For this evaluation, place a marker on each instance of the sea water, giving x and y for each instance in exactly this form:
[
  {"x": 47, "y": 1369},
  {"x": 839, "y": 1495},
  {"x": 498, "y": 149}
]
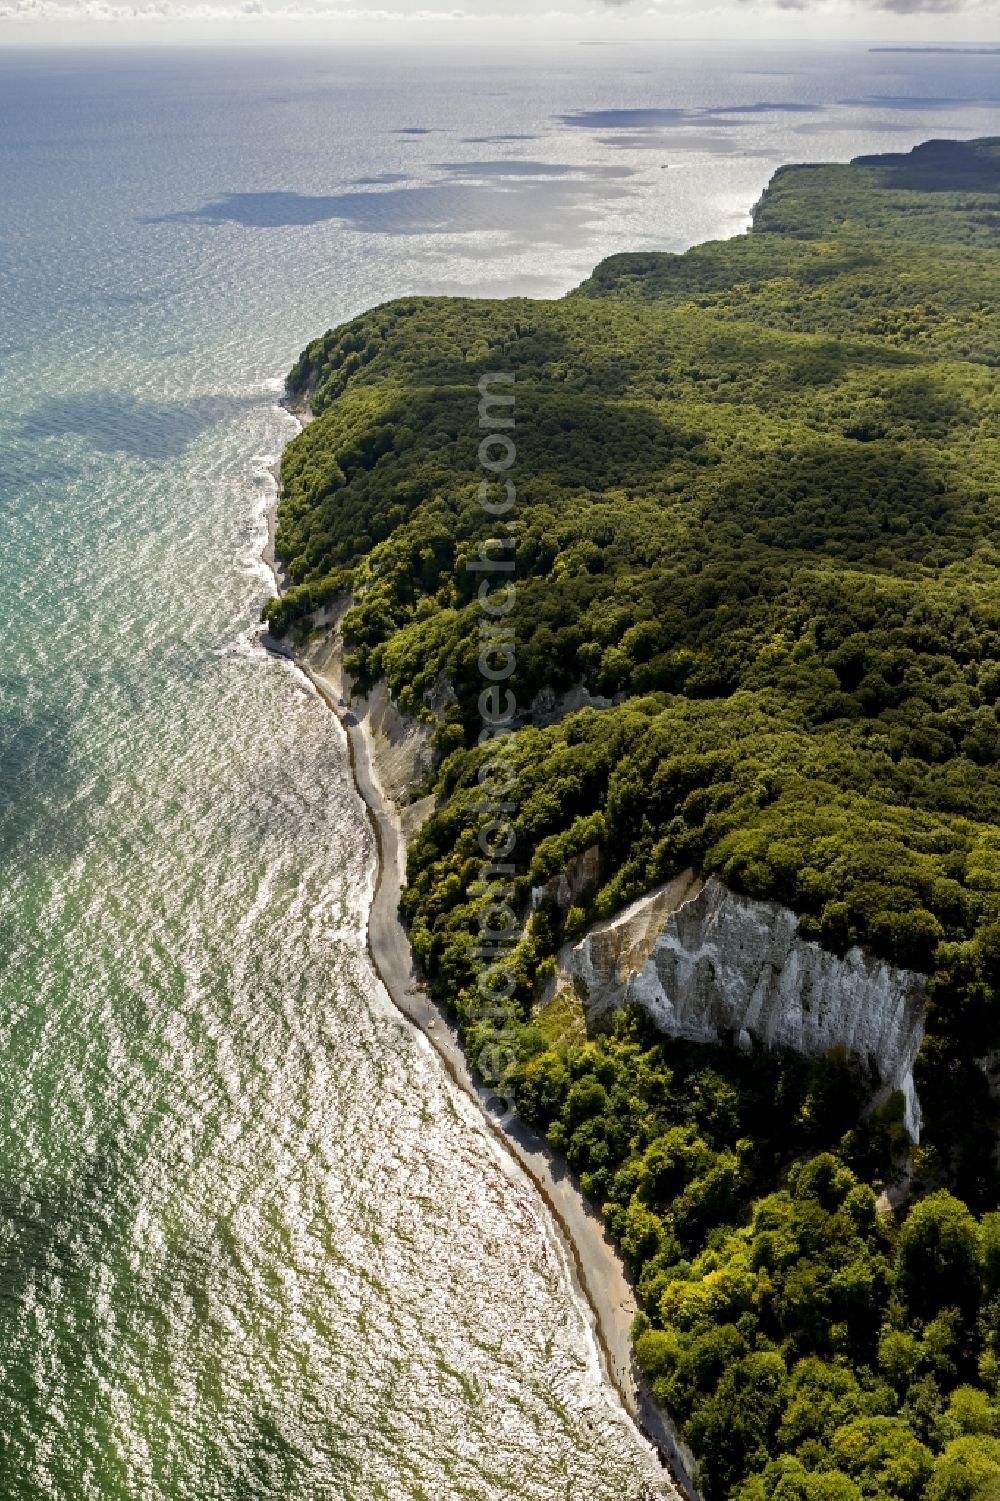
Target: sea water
[{"x": 253, "y": 1244}]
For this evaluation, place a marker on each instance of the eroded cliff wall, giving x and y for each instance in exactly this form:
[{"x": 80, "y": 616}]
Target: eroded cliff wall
[{"x": 710, "y": 965}]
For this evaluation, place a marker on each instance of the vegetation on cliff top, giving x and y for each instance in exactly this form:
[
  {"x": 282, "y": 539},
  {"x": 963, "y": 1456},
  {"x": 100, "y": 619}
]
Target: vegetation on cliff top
[
  {"x": 758, "y": 516},
  {"x": 806, "y": 1346}
]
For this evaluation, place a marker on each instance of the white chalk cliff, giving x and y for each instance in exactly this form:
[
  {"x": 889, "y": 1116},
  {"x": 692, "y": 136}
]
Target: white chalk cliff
[{"x": 710, "y": 965}]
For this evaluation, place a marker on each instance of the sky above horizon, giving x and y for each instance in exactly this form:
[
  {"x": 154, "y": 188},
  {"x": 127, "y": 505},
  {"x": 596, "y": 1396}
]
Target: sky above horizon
[{"x": 102, "y": 22}]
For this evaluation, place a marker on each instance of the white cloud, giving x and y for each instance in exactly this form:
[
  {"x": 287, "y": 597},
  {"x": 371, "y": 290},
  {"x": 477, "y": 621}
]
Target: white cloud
[
  {"x": 933, "y": 20},
  {"x": 32, "y": 11}
]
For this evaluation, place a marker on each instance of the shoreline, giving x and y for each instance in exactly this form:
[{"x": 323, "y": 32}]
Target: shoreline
[{"x": 597, "y": 1271}]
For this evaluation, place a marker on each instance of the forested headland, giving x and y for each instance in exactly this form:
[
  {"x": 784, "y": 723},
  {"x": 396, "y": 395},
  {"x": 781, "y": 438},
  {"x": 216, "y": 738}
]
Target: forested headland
[{"x": 759, "y": 523}]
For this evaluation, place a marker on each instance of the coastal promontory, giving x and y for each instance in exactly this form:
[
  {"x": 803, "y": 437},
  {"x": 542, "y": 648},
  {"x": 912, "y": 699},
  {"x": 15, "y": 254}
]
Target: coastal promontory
[{"x": 751, "y": 619}]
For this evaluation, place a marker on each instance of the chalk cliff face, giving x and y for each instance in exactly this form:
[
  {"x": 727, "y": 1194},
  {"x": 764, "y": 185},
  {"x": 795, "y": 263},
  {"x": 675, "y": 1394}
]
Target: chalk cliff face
[
  {"x": 580, "y": 875},
  {"x": 710, "y": 965},
  {"x": 401, "y": 747}
]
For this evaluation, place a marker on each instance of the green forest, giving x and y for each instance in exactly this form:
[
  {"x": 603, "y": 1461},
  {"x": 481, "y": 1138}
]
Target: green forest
[{"x": 757, "y": 519}]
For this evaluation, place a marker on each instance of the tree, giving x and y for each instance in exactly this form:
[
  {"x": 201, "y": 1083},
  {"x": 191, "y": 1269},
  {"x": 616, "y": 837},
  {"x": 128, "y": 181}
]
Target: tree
[
  {"x": 883, "y": 1457},
  {"x": 939, "y": 1256},
  {"x": 968, "y": 1470}
]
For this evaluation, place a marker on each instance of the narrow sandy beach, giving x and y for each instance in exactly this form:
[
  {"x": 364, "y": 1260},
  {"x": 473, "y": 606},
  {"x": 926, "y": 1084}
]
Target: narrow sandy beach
[{"x": 598, "y": 1271}]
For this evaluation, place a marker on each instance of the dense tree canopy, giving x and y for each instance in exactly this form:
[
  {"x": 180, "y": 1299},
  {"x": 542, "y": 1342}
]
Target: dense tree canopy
[{"x": 757, "y": 524}]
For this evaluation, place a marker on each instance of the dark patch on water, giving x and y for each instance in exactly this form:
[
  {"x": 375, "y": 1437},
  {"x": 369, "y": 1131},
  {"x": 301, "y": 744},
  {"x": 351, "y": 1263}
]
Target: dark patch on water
[
  {"x": 382, "y": 180},
  {"x": 269, "y": 1463},
  {"x": 37, "y": 786},
  {"x": 494, "y": 140},
  {"x": 397, "y": 211},
  {"x": 516, "y": 168},
  {"x": 852, "y": 127},
  {"x": 49, "y": 1235},
  {"x": 716, "y": 114},
  {"x": 661, "y": 140},
  {"x": 548, "y": 204},
  {"x": 113, "y": 422},
  {"x": 907, "y": 101}
]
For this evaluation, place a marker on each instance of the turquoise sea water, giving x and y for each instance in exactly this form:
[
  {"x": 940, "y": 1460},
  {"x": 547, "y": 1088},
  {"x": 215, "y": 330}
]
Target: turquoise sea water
[{"x": 252, "y": 1244}]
